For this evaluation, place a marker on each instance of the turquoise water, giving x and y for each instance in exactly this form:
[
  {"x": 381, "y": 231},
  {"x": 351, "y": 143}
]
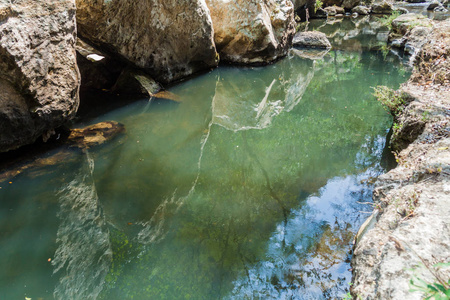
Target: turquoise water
[{"x": 250, "y": 188}]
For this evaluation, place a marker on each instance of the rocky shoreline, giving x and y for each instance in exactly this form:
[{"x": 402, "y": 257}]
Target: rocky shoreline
[
  {"x": 42, "y": 66},
  {"x": 408, "y": 235}
]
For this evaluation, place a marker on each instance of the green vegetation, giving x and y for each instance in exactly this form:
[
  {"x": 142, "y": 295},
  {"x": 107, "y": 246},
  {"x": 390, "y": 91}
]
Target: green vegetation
[
  {"x": 438, "y": 290},
  {"x": 392, "y": 100},
  {"x": 318, "y": 4},
  {"x": 387, "y": 20},
  {"x": 385, "y": 48},
  {"x": 426, "y": 116}
]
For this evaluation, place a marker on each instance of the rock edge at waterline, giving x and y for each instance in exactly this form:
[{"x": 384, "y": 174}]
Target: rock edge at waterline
[
  {"x": 169, "y": 39},
  {"x": 39, "y": 78},
  {"x": 411, "y": 232}
]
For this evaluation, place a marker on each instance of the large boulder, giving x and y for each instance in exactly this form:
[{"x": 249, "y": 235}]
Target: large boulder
[
  {"x": 334, "y": 10},
  {"x": 298, "y": 4},
  {"x": 410, "y": 32},
  {"x": 433, "y": 4},
  {"x": 311, "y": 39},
  {"x": 252, "y": 32},
  {"x": 404, "y": 23},
  {"x": 169, "y": 39},
  {"x": 39, "y": 78},
  {"x": 382, "y": 8},
  {"x": 349, "y": 4},
  {"x": 327, "y": 3},
  {"x": 361, "y": 10}
]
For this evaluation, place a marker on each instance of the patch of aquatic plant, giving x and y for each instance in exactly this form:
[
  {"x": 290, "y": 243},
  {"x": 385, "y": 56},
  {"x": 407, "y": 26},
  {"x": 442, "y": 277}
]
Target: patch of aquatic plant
[
  {"x": 391, "y": 99},
  {"x": 385, "y": 50}
]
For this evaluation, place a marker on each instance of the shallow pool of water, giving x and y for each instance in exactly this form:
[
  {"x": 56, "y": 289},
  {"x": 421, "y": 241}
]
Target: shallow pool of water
[{"x": 251, "y": 187}]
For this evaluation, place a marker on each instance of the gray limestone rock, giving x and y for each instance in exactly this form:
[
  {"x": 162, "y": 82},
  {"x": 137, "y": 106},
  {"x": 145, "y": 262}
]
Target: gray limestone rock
[
  {"x": 433, "y": 4},
  {"x": 383, "y": 7},
  {"x": 311, "y": 39},
  {"x": 334, "y": 10},
  {"x": 249, "y": 32},
  {"x": 39, "y": 78},
  {"x": 410, "y": 32},
  {"x": 440, "y": 8},
  {"x": 169, "y": 39},
  {"x": 349, "y": 4},
  {"x": 403, "y": 23},
  {"x": 361, "y": 10},
  {"x": 411, "y": 233}
]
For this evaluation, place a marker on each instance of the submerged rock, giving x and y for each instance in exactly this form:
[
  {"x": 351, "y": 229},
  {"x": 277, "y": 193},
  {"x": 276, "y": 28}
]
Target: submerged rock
[
  {"x": 249, "y": 32},
  {"x": 311, "y": 39},
  {"x": 82, "y": 138},
  {"x": 95, "y": 135},
  {"x": 39, "y": 78},
  {"x": 169, "y": 39}
]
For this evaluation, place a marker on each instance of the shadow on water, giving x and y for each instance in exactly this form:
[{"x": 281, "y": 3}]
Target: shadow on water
[{"x": 250, "y": 187}]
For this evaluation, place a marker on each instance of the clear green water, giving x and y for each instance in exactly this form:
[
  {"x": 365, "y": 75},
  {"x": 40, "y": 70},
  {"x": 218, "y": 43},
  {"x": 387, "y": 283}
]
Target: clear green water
[{"x": 247, "y": 189}]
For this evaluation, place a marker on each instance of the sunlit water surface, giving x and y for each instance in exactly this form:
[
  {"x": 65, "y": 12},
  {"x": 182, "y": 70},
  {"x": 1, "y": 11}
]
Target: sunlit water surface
[{"x": 250, "y": 188}]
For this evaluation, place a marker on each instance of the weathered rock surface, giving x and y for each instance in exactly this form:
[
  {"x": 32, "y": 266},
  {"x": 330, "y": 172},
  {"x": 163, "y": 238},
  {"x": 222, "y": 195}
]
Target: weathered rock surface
[
  {"x": 349, "y": 4},
  {"x": 411, "y": 234},
  {"x": 433, "y": 4},
  {"x": 311, "y": 39},
  {"x": 298, "y": 4},
  {"x": 81, "y": 138},
  {"x": 39, "y": 78},
  {"x": 410, "y": 32},
  {"x": 252, "y": 32},
  {"x": 99, "y": 71},
  {"x": 306, "y": 9},
  {"x": 328, "y": 3},
  {"x": 440, "y": 8},
  {"x": 361, "y": 10},
  {"x": 383, "y": 7},
  {"x": 169, "y": 39},
  {"x": 334, "y": 10},
  {"x": 402, "y": 24}
]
